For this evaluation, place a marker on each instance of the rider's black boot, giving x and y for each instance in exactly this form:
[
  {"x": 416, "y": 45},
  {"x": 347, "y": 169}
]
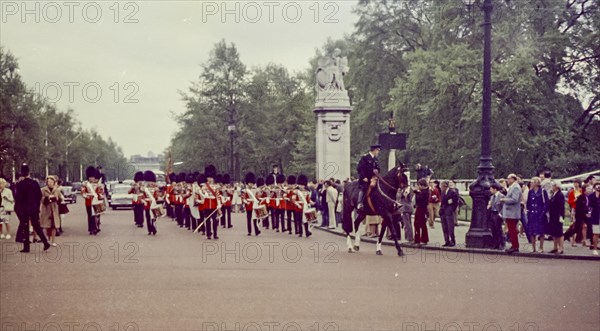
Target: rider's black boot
[{"x": 361, "y": 198}]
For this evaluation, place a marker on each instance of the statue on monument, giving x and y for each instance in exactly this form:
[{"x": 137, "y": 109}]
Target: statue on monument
[{"x": 331, "y": 70}]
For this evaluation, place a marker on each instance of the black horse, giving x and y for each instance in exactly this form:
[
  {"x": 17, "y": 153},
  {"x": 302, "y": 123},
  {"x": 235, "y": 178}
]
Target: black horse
[{"x": 381, "y": 201}]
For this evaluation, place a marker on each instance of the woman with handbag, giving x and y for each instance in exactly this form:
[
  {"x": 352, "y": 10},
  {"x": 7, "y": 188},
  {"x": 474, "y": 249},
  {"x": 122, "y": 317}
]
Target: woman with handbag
[
  {"x": 49, "y": 215},
  {"x": 63, "y": 209}
]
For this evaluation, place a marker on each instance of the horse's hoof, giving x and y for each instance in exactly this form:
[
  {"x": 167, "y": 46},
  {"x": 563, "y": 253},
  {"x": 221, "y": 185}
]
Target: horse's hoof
[
  {"x": 350, "y": 250},
  {"x": 357, "y": 248},
  {"x": 400, "y": 253},
  {"x": 379, "y": 253}
]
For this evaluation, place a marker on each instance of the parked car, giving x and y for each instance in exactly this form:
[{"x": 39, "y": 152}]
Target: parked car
[
  {"x": 128, "y": 182},
  {"x": 120, "y": 197},
  {"x": 76, "y": 186},
  {"x": 69, "y": 193}
]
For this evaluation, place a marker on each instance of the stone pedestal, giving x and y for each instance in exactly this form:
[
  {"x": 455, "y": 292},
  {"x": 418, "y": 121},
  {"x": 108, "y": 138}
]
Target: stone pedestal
[{"x": 332, "y": 109}]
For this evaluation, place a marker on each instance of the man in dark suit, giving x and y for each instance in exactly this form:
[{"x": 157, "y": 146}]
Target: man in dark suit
[
  {"x": 367, "y": 168},
  {"x": 495, "y": 219},
  {"x": 275, "y": 174},
  {"x": 448, "y": 213},
  {"x": 27, "y": 207}
]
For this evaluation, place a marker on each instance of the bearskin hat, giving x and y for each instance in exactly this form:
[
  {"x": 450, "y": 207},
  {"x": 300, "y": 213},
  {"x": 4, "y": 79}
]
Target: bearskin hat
[
  {"x": 218, "y": 178},
  {"x": 138, "y": 176},
  {"x": 91, "y": 172},
  {"x": 149, "y": 176},
  {"x": 181, "y": 177},
  {"x": 201, "y": 178},
  {"x": 291, "y": 180},
  {"x": 302, "y": 180},
  {"x": 210, "y": 171},
  {"x": 280, "y": 178},
  {"x": 260, "y": 182},
  {"x": 226, "y": 179},
  {"x": 172, "y": 177},
  {"x": 24, "y": 169},
  {"x": 250, "y": 178},
  {"x": 190, "y": 178},
  {"x": 270, "y": 180}
]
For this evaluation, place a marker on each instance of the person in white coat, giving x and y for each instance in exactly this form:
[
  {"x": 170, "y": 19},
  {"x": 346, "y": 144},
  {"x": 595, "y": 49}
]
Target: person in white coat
[
  {"x": 7, "y": 206},
  {"x": 332, "y": 196}
]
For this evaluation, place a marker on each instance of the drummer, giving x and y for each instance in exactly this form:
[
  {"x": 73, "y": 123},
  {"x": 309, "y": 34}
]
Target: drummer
[
  {"x": 212, "y": 204},
  {"x": 262, "y": 197},
  {"x": 249, "y": 201},
  {"x": 302, "y": 203}
]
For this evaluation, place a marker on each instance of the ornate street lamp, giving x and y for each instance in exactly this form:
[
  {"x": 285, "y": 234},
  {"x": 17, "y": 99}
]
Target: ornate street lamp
[
  {"x": 479, "y": 235},
  {"x": 231, "y": 130}
]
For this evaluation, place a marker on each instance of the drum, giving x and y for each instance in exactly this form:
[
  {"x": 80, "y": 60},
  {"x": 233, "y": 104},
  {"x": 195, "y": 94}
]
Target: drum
[
  {"x": 260, "y": 212},
  {"x": 158, "y": 211},
  {"x": 99, "y": 208},
  {"x": 311, "y": 215}
]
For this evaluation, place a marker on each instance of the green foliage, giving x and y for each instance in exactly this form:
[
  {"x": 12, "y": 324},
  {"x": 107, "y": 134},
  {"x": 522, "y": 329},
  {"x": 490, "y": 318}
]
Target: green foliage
[
  {"x": 545, "y": 68},
  {"x": 270, "y": 110},
  {"x": 420, "y": 61},
  {"x": 26, "y": 121}
]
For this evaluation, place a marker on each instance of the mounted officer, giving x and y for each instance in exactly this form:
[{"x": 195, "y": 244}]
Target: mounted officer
[{"x": 368, "y": 167}]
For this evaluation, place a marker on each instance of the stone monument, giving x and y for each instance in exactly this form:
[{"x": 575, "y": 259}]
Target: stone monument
[{"x": 332, "y": 109}]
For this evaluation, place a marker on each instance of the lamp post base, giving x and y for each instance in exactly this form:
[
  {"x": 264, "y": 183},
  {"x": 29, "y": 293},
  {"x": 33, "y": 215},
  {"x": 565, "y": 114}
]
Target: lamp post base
[
  {"x": 479, "y": 239},
  {"x": 480, "y": 234}
]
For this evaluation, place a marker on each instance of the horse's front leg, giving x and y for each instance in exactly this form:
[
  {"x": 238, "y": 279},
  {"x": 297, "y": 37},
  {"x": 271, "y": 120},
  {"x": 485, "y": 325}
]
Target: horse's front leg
[
  {"x": 387, "y": 221},
  {"x": 357, "y": 230},
  {"x": 384, "y": 226}
]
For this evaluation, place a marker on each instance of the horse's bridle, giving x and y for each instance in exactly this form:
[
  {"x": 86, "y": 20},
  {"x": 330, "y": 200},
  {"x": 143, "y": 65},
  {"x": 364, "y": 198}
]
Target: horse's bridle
[{"x": 380, "y": 179}]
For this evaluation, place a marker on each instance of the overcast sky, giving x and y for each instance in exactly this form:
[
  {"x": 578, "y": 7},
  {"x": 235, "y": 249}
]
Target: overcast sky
[{"x": 139, "y": 54}]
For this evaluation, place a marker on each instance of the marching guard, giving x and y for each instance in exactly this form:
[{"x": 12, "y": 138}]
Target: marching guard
[
  {"x": 249, "y": 201},
  {"x": 289, "y": 203},
  {"x": 137, "y": 199},
  {"x": 302, "y": 203},
  {"x": 179, "y": 192},
  {"x": 169, "y": 196},
  {"x": 280, "y": 201},
  {"x": 93, "y": 193},
  {"x": 188, "y": 202},
  {"x": 201, "y": 203},
  {"x": 262, "y": 197},
  {"x": 150, "y": 205},
  {"x": 227, "y": 193},
  {"x": 212, "y": 203},
  {"x": 271, "y": 202}
]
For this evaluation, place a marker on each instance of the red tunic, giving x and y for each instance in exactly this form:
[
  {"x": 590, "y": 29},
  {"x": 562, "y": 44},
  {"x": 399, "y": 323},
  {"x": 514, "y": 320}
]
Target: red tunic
[
  {"x": 185, "y": 196},
  {"x": 248, "y": 203},
  {"x": 290, "y": 198},
  {"x": 227, "y": 198},
  {"x": 135, "y": 201},
  {"x": 262, "y": 198},
  {"x": 170, "y": 195},
  {"x": 272, "y": 200},
  {"x": 99, "y": 191},
  {"x": 211, "y": 198},
  {"x": 299, "y": 205},
  {"x": 147, "y": 200}
]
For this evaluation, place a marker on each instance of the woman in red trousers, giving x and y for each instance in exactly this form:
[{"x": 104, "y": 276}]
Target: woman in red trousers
[{"x": 421, "y": 202}]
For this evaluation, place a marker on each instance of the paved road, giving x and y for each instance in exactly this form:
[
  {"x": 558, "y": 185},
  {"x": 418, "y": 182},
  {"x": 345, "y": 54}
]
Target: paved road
[{"x": 123, "y": 279}]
